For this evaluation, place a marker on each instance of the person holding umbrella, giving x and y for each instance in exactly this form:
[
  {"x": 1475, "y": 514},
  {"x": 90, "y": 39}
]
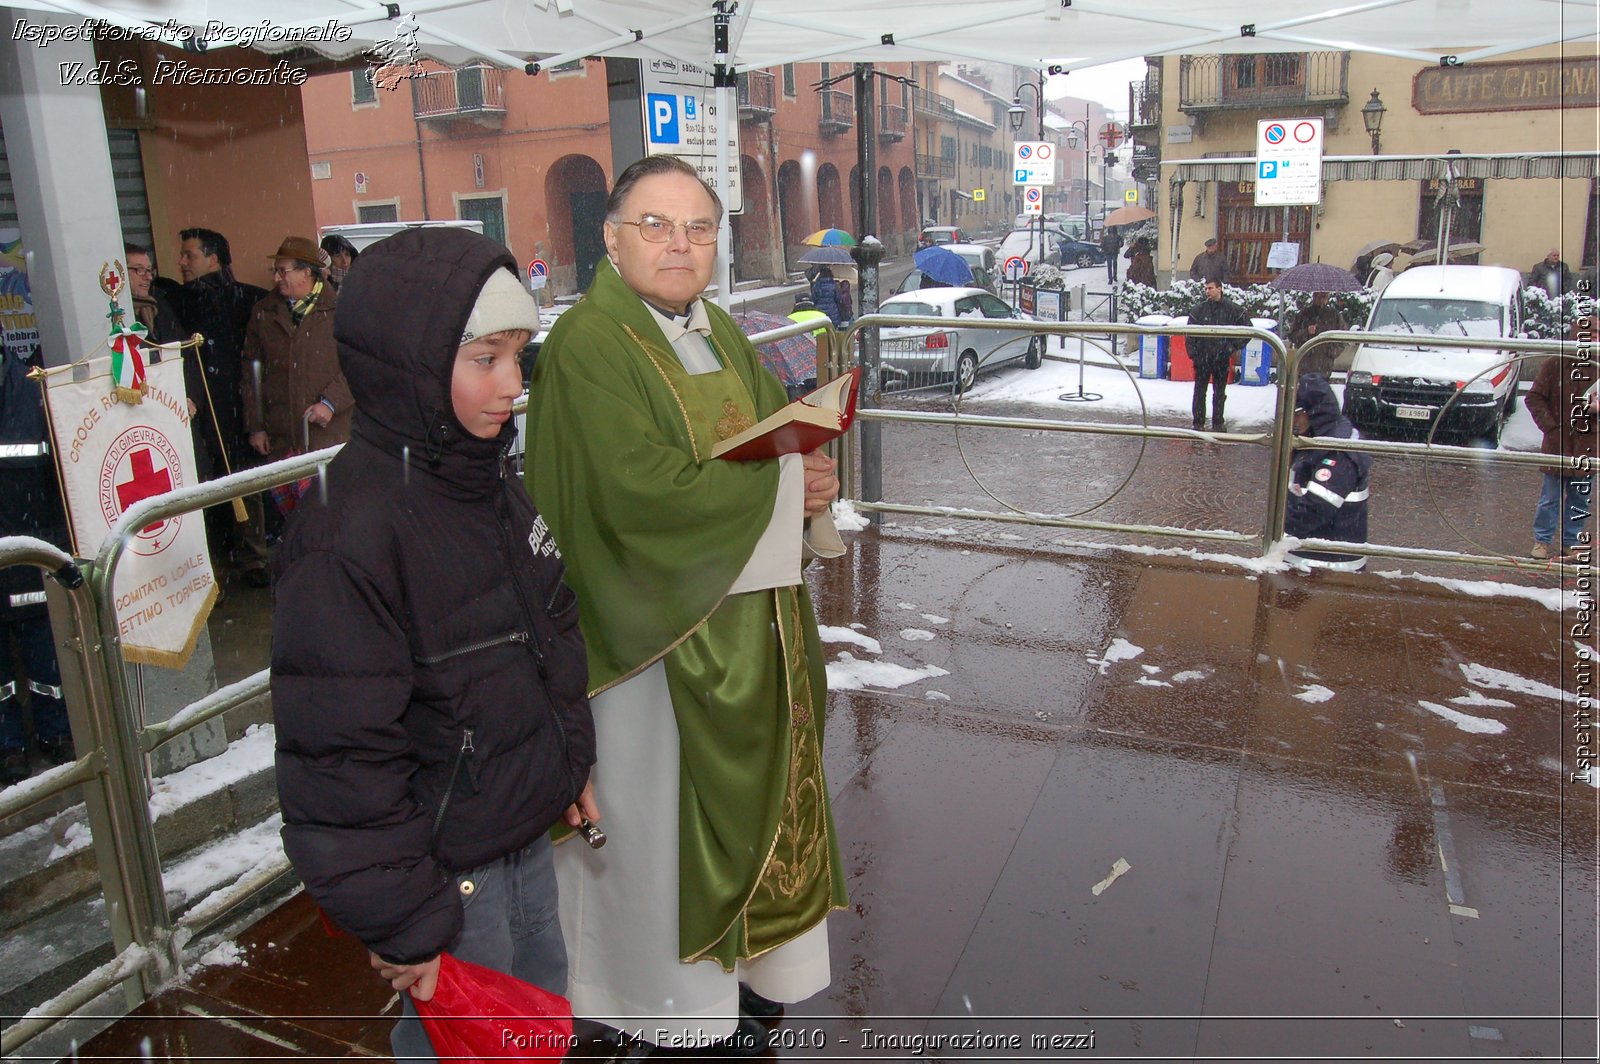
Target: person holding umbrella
[{"x": 1320, "y": 317}]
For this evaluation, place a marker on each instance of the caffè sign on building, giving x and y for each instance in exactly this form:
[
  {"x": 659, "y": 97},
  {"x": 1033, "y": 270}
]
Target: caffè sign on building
[{"x": 1538, "y": 84}]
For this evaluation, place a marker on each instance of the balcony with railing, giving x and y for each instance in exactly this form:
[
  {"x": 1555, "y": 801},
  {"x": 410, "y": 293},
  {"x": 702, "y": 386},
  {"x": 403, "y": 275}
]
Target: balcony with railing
[
  {"x": 1144, "y": 104},
  {"x": 935, "y": 166},
  {"x": 471, "y": 93},
  {"x": 1276, "y": 79},
  {"x": 758, "y": 97},
  {"x": 932, "y": 103},
  {"x": 838, "y": 111},
  {"x": 892, "y": 123}
]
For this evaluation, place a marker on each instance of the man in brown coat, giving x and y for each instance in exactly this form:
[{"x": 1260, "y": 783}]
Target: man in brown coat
[
  {"x": 1565, "y": 406},
  {"x": 1320, "y": 317},
  {"x": 293, "y": 386},
  {"x": 1211, "y": 264}
]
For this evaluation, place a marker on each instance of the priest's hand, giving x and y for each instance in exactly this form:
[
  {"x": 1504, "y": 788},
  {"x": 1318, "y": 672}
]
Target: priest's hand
[
  {"x": 584, "y": 807},
  {"x": 420, "y": 978},
  {"x": 822, "y": 487}
]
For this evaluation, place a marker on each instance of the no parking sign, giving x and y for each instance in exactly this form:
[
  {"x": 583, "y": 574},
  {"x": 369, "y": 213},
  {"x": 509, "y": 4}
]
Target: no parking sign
[
  {"x": 1015, "y": 268},
  {"x": 538, "y": 274}
]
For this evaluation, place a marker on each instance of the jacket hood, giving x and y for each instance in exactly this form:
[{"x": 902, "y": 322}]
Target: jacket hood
[
  {"x": 401, "y": 311},
  {"x": 1314, "y": 395}
]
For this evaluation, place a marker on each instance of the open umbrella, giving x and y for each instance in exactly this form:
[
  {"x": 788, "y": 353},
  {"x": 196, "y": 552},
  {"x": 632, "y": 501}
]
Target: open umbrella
[
  {"x": 827, "y": 238},
  {"x": 1378, "y": 245},
  {"x": 1129, "y": 215},
  {"x": 1429, "y": 253},
  {"x": 943, "y": 265},
  {"x": 792, "y": 359},
  {"x": 1316, "y": 277},
  {"x": 831, "y": 255}
]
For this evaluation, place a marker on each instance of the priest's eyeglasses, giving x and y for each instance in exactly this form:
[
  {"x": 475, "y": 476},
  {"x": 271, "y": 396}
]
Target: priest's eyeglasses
[{"x": 656, "y": 230}]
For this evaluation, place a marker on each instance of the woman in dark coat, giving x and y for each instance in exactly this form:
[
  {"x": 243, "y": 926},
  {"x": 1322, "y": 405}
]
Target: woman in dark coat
[{"x": 1141, "y": 267}]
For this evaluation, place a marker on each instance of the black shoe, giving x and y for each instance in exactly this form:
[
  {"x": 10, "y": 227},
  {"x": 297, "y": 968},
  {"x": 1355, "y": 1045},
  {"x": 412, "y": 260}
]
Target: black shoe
[
  {"x": 13, "y": 767},
  {"x": 1199, "y": 425},
  {"x": 58, "y": 751},
  {"x": 757, "y": 1007},
  {"x": 1216, "y": 424}
]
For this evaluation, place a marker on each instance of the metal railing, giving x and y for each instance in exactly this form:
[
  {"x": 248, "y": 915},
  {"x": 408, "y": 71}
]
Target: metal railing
[
  {"x": 1221, "y": 82},
  {"x": 469, "y": 90},
  {"x": 892, "y": 122},
  {"x": 935, "y": 166},
  {"x": 1280, "y": 441},
  {"x": 111, "y": 743},
  {"x": 933, "y": 103},
  {"x": 838, "y": 110},
  {"x": 758, "y": 97}
]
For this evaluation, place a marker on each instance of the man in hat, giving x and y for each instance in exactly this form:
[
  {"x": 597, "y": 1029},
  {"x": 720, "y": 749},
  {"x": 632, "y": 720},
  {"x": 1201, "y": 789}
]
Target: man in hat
[
  {"x": 1327, "y": 489},
  {"x": 295, "y": 395},
  {"x": 1211, "y": 264}
]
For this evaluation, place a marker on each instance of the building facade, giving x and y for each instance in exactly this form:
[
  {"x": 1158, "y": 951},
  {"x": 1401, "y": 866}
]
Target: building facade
[{"x": 1539, "y": 111}]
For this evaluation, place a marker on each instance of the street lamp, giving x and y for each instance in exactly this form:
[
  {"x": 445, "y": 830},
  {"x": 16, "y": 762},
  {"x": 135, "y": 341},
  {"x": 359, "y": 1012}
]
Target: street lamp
[
  {"x": 1372, "y": 118},
  {"x": 1016, "y": 114},
  {"x": 1072, "y": 133}
]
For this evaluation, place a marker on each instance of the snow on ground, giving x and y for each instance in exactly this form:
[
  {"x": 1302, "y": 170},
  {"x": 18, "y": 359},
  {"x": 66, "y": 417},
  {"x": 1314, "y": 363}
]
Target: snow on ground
[
  {"x": 1119, "y": 650},
  {"x": 1496, "y": 680},
  {"x": 1464, "y": 721},
  {"x": 830, "y": 634},
  {"x": 1314, "y": 693}
]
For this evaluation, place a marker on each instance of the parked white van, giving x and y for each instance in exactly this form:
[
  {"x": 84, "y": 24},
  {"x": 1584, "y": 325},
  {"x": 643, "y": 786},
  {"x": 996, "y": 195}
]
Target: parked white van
[{"x": 1399, "y": 389}]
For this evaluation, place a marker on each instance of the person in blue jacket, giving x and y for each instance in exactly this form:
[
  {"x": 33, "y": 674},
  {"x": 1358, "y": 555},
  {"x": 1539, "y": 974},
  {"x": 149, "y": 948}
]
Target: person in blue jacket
[{"x": 1327, "y": 488}]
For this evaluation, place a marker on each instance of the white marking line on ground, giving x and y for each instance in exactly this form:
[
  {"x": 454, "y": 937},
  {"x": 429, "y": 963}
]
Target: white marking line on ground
[{"x": 1447, "y": 856}]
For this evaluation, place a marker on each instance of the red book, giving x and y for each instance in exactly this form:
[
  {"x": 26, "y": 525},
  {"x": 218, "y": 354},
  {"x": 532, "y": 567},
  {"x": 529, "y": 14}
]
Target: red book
[{"x": 802, "y": 426}]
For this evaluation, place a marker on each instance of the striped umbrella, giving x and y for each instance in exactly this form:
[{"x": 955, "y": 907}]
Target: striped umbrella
[{"x": 827, "y": 238}]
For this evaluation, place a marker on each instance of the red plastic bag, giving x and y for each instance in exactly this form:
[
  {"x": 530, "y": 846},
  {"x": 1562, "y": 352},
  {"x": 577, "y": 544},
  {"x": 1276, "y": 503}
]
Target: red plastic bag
[{"x": 477, "y": 1013}]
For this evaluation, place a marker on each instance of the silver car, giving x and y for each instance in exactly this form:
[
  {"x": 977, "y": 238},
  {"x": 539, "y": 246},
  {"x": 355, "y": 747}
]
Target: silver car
[{"x": 958, "y": 343}]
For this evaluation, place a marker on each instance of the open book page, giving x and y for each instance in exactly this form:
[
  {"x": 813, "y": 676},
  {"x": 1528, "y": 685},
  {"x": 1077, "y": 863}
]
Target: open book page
[{"x": 802, "y": 426}]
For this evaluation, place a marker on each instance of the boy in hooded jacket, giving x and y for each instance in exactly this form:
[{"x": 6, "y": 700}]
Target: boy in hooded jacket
[
  {"x": 428, "y": 675},
  {"x": 1327, "y": 489}
]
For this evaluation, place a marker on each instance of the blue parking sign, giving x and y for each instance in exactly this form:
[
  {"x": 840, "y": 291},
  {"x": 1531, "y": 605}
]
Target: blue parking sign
[
  {"x": 663, "y": 110},
  {"x": 690, "y": 108},
  {"x": 1269, "y": 168}
]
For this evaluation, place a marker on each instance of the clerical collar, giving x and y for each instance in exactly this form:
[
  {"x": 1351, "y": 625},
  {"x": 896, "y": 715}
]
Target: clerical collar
[{"x": 675, "y": 325}]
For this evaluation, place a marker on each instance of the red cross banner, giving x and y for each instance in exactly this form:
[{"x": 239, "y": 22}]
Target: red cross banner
[{"x": 111, "y": 455}]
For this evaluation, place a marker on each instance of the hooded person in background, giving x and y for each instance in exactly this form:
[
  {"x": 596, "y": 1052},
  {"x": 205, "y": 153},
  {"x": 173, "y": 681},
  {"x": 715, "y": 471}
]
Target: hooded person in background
[
  {"x": 341, "y": 256},
  {"x": 1320, "y": 317},
  {"x": 1141, "y": 266},
  {"x": 825, "y": 294},
  {"x": 1327, "y": 489}
]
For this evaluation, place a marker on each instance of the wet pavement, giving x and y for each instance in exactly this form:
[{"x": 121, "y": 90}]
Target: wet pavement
[{"x": 1332, "y": 850}]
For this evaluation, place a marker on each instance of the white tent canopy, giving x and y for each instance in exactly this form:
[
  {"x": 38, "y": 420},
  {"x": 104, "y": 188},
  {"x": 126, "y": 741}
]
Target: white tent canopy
[{"x": 1065, "y": 34}]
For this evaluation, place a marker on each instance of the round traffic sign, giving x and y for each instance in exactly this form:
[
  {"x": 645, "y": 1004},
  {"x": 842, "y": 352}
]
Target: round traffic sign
[
  {"x": 1305, "y": 132},
  {"x": 1031, "y": 194},
  {"x": 1044, "y": 152},
  {"x": 1015, "y": 267},
  {"x": 538, "y": 268},
  {"x": 1024, "y": 151},
  {"x": 1275, "y": 133},
  {"x": 1112, "y": 134}
]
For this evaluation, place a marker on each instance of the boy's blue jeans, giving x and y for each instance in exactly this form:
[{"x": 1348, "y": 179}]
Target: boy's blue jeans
[
  {"x": 1563, "y": 499},
  {"x": 511, "y": 925}
]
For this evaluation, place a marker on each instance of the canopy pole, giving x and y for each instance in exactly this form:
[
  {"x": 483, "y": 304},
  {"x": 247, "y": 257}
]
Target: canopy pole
[{"x": 725, "y": 119}]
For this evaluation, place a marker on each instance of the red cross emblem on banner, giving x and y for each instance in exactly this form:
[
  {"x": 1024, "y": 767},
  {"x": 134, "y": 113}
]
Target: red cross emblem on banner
[{"x": 147, "y": 481}]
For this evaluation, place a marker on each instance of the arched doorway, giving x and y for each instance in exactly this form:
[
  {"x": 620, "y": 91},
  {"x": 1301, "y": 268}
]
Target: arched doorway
[
  {"x": 883, "y": 190},
  {"x": 752, "y": 228},
  {"x": 791, "y": 211},
  {"x": 575, "y": 204},
  {"x": 910, "y": 222},
  {"x": 831, "y": 210}
]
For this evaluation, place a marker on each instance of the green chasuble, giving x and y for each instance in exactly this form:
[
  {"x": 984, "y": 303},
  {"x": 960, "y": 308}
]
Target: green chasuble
[{"x": 654, "y": 532}]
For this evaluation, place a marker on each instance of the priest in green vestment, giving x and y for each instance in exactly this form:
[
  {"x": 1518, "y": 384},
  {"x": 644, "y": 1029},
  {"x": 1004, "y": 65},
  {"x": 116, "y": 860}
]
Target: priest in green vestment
[{"x": 706, "y": 671}]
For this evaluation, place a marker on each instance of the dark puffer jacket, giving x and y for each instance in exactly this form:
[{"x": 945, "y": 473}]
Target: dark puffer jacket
[
  {"x": 1328, "y": 489},
  {"x": 428, "y": 675}
]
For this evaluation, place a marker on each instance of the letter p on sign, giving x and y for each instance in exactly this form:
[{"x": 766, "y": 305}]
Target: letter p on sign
[{"x": 663, "y": 118}]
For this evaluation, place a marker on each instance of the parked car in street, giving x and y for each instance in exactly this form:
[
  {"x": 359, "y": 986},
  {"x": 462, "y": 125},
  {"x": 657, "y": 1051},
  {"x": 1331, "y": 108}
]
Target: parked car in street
[
  {"x": 1068, "y": 225},
  {"x": 958, "y": 343},
  {"x": 1025, "y": 244},
  {"x": 1400, "y": 388},
  {"x": 941, "y": 234}
]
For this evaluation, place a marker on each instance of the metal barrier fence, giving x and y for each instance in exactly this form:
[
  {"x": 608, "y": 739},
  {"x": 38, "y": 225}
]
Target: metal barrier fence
[{"x": 113, "y": 742}]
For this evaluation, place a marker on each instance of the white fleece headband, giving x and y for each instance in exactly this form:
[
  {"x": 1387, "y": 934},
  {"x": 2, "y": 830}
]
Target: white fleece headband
[{"x": 502, "y": 304}]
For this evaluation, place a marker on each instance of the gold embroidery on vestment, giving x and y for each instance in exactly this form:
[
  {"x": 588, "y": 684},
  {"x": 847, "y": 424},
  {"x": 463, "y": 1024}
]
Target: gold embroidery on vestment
[{"x": 733, "y": 420}]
